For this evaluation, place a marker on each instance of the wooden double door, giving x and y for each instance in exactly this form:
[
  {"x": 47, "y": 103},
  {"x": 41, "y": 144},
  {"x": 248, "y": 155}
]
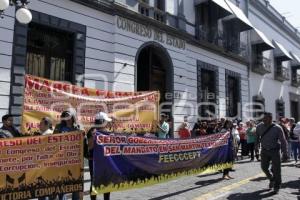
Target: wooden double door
[{"x": 151, "y": 72}]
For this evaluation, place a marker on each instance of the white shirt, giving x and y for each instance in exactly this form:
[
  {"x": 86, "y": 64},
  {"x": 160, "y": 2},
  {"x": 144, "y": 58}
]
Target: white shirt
[
  {"x": 235, "y": 134},
  {"x": 47, "y": 132}
]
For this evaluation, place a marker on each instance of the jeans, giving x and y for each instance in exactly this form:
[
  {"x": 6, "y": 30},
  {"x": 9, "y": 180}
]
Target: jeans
[
  {"x": 244, "y": 147},
  {"x": 266, "y": 157},
  {"x": 251, "y": 149},
  {"x": 296, "y": 149},
  {"x": 290, "y": 149}
]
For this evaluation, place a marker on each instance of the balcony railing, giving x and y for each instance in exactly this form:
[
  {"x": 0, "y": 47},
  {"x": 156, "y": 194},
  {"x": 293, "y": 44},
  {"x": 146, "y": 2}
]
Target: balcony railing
[
  {"x": 281, "y": 73},
  {"x": 159, "y": 15},
  {"x": 144, "y": 8},
  {"x": 215, "y": 37},
  {"x": 296, "y": 80},
  {"x": 210, "y": 35},
  {"x": 153, "y": 12},
  {"x": 261, "y": 65},
  {"x": 235, "y": 46}
]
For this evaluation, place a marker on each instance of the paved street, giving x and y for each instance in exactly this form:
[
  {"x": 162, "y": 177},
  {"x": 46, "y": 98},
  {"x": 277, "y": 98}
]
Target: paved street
[{"x": 249, "y": 183}]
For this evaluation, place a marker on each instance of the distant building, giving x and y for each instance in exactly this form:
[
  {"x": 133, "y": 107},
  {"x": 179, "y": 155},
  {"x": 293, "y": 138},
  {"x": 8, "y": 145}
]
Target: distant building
[
  {"x": 274, "y": 76},
  {"x": 191, "y": 51}
]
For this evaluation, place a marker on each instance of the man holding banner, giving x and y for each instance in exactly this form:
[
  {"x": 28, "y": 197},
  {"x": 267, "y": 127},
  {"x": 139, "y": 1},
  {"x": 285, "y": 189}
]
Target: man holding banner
[
  {"x": 67, "y": 124},
  {"x": 101, "y": 120}
]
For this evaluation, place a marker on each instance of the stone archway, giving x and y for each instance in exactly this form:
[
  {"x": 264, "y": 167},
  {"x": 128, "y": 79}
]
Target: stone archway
[{"x": 154, "y": 71}]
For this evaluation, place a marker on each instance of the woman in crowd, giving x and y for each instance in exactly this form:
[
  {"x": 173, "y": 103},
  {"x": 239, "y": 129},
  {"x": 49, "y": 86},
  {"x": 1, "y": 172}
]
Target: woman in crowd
[
  {"x": 296, "y": 142},
  {"x": 45, "y": 129},
  {"x": 251, "y": 139},
  {"x": 67, "y": 124},
  {"x": 236, "y": 139},
  {"x": 184, "y": 132},
  {"x": 227, "y": 128},
  {"x": 243, "y": 140}
]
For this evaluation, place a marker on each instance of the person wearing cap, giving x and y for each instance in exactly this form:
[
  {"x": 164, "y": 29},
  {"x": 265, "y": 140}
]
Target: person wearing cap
[
  {"x": 272, "y": 139},
  {"x": 163, "y": 127},
  {"x": 67, "y": 124},
  {"x": 101, "y": 122}
]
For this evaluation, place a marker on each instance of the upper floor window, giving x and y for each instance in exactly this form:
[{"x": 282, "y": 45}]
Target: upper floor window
[
  {"x": 159, "y": 4},
  {"x": 49, "y": 53},
  {"x": 216, "y": 25},
  {"x": 281, "y": 72},
  {"x": 295, "y": 109},
  {"x": 155, "y": 10},
  {"x": 260, "y": 63},
  {"x": 207, "y": 21}
]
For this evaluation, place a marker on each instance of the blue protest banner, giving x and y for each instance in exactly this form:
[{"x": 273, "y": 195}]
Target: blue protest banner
[{"x": 125, "y": 162}]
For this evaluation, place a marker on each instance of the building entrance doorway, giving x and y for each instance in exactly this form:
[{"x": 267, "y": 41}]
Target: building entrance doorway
[{"x": 154, "y": 71}]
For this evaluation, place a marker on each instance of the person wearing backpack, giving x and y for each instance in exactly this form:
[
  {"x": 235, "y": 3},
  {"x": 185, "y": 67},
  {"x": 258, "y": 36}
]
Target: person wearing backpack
[{"x": 272, "y": 139}]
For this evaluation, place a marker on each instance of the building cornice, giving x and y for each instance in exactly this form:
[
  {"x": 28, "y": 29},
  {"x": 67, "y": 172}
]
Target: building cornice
[
  {"x": 273, "y": 18},
  {"x": 120, "y": 10}
]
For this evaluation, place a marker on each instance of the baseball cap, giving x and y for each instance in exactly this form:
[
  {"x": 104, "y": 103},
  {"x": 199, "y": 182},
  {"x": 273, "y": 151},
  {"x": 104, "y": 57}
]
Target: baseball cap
[{"x": 102, "y": 116}]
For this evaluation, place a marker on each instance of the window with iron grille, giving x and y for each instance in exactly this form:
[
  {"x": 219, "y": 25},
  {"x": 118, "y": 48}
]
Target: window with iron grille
[
  {"x": 49, "y": 53},
  {"x": 280, "y": 108},
  {"x": 160, "y": 4},
  {"x": 207, "y": 85},
  {"x": 258, "y": 106},
  {"x": 233, "y": 94},
  {"x": 295, "y": 110}
]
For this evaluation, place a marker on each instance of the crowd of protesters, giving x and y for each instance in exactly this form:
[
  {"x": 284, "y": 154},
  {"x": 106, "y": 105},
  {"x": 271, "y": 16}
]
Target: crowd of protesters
[{"x": 244, "y": 136}]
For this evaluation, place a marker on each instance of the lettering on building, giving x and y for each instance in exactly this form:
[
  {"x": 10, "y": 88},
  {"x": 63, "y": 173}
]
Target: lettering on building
[{"x": 149, "y": 32}]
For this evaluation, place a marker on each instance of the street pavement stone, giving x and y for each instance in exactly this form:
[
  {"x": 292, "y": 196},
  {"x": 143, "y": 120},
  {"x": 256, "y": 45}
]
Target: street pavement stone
[{"x": 249, "y": 183}]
